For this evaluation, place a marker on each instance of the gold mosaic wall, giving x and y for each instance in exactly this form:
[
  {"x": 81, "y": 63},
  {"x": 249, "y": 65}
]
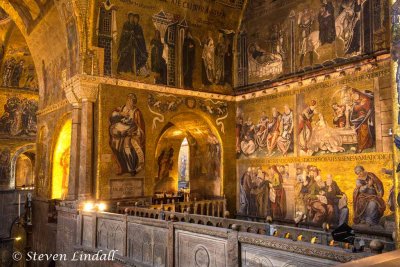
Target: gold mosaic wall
[
  {"x": 287, "y": 37},
  {"x": 17, "y": 127},
  {"x": 165, "y": 120},
  {"x": 337, "y": 125},
  {"x": 186, "y": 44}
]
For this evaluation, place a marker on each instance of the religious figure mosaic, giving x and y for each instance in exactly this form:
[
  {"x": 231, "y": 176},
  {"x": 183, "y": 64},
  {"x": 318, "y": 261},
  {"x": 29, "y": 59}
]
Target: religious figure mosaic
[{"x": 128, "y": 137}]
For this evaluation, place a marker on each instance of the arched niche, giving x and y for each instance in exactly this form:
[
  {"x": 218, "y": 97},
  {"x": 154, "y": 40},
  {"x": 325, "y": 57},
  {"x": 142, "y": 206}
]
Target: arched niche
[
  {"x": 23, "y": 158},
  {"x": 184, "y": 165},
  {"x": 205, "y": 157},
  {"x": 61, "y": 161}
]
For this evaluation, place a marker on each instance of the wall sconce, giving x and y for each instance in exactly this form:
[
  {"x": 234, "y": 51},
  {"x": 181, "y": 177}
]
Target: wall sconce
[
  {"x": 332, "y": 243},
  {"x": 300, "y": 238},
  {"x": 287, "y": 235},
  {"x": 101, "y": 207},
  {"x": 18, "y": 238},
  {"x": 90, "y": 206},
  {"x": 275, "y": 233},
  {"x": 314, "y": 240},
  {"x": 390, "y": 131}
]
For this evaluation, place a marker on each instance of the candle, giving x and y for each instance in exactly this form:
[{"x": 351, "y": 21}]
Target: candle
[{"x": 19, "y": 205}]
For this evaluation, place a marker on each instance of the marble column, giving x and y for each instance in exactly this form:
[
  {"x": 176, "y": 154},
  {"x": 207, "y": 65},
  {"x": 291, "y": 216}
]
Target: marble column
[
  {"x": 74, "y": 158},
  {"x": 86, "y": 151},
  {"x": 75, "y": 137},
  {"x": 87, "y": 93}
]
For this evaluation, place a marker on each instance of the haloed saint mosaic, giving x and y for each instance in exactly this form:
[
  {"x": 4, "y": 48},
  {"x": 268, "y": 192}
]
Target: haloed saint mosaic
[
  {"x": 318, "y": 143},
  {"x": 317, "y": 120},
  {"x": 283, "y": 37},
  {"x": 359, "y": 193}
]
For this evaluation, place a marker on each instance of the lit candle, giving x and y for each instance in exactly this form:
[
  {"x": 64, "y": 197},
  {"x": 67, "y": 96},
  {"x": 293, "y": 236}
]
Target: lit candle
[{"x": 19, "y": 205}]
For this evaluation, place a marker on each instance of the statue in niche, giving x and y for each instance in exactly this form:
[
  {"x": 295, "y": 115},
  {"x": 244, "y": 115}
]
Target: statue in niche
[
  {"x": 188, "y": 57},
  {"x": 369, "y": 205},
  {"x": 158, "y": 63},
  {"x": 132, "y": 51},
  {"x": 127, "y": 136},
  {"x": 165, "y": 163}
]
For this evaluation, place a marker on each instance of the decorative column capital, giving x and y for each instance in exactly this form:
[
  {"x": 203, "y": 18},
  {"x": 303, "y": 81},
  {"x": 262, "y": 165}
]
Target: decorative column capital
[
  {"x": 81, "y": 88},
  {"x": 71, "y": 97}
]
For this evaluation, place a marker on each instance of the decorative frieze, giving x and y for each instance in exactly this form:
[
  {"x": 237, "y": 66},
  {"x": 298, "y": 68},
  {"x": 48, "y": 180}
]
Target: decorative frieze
[{"x": 53, "y": 108}]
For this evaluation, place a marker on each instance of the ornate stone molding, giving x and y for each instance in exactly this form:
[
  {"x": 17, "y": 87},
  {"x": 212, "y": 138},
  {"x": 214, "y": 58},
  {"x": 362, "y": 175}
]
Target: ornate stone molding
[
  {"x": 53, "y": 107},
  {"x": 93, "y": 82},
  {"x": 313, "y": 250},
  {"x": 291, "y": 85},
  {"x": 148, "y": 222},
  {"x": 81, "y": 88},
  {"x": 85, "y": 87},
  {"x": 199, "y": 229},
  {"x": 71, "y": 96}
]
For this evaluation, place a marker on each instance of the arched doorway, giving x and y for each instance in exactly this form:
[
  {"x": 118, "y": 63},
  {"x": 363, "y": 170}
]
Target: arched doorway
[
  {"x": 61, "y": 160},
  {"x": 22, "y": 167},
  {"x": 191, "y": 135}
]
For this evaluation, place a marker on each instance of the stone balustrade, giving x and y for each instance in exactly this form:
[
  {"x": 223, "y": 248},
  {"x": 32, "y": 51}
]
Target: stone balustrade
[
  {"x": 183, "y": 239},
  {"x": 310, "y": 234},
  {"x": 215, "y": 208}
]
